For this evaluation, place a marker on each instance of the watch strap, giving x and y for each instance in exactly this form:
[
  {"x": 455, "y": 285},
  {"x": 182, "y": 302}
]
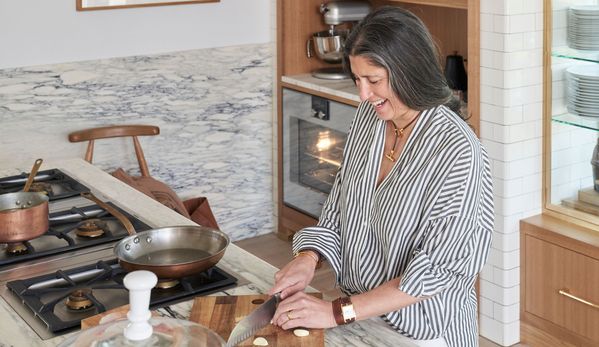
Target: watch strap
[{"x": 340, "y": 305}]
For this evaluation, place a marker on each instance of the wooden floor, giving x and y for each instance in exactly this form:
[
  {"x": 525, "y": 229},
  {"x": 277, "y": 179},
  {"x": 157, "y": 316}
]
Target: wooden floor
[{"x": 277, "y": 252}]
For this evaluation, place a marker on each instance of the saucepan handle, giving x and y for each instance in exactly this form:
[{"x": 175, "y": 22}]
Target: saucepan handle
[
  {"x": 113, "y": 211},
  {"x": 32, "y": 174}
]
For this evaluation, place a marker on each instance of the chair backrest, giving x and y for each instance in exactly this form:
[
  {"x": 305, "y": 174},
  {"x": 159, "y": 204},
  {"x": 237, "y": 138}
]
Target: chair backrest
[{"x": 117, "y": 131}]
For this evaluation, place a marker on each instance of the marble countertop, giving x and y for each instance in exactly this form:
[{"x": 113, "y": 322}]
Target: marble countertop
[
  {"x": 342, "y": 88},
  {"x": 15, "y": 332}
]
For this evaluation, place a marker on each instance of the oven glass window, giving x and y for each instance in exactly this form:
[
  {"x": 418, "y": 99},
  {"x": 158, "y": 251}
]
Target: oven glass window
[{"x": 320, "y": 150}]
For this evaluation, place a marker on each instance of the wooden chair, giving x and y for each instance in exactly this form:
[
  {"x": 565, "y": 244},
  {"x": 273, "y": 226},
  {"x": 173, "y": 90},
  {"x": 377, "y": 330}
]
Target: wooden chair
[
  {"x": 196, "y": 209},
  {"x": 117, "y": 131},
  {"x": 146, "y": 184}
]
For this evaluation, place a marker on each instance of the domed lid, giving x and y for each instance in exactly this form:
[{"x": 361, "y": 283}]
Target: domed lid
[{"x": 141, "y": 330}]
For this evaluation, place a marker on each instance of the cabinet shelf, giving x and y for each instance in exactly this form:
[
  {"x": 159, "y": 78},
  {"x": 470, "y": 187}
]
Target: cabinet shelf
[
  {"x": 463, "y": 4},
  {"x": 570, "y": 53},
  {"x": 590, "y": 123}
]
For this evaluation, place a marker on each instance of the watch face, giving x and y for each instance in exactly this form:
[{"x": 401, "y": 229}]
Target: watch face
[{"x": 348, "y": 312}]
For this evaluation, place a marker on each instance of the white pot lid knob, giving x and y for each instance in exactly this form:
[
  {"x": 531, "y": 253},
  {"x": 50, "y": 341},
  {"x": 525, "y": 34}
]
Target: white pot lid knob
[{"x": 140, "y": 284}]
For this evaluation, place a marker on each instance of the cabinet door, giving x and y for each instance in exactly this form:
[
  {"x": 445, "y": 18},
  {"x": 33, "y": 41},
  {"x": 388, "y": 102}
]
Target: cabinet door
[
  {"x": 545, "y": 270},
  {"x": 571, "y": 109},
  {"x": 562, "y": 286},
  {"x": 582, "y": 282}
]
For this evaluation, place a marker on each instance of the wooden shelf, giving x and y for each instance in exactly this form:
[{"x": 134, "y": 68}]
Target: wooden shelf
[{"x": 463, "y": 4}]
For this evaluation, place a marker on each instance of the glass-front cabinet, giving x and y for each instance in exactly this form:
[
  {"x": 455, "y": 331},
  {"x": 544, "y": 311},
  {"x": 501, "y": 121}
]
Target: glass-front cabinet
[{"x": 571, "y": 109}]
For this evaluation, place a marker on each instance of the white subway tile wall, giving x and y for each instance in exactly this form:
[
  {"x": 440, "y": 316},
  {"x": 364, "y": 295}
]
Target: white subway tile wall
[
  {"x": 511, "y": 129},
  {"x": 506, "y": 314}
]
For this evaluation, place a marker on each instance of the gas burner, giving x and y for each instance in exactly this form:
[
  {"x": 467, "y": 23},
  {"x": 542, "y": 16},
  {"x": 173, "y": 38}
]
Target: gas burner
[
  {"x": 79, "y": 300},
  {"x": 41, "y": 187},
  {"x": 166, "y": 283},
  {"x": 17, "y": 248},
  {"x": 91, "y": 228}
]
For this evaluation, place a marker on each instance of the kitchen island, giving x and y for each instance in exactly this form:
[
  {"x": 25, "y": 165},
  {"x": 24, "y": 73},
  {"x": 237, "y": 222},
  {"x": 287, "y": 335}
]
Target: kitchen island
[{"x": 257, "y": 275}]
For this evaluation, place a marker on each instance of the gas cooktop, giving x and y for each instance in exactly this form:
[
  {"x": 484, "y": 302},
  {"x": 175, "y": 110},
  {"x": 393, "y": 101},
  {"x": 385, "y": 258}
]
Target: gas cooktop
[
  {"x": 64, "y": 298},
  {"x": 69, "y": 273}
]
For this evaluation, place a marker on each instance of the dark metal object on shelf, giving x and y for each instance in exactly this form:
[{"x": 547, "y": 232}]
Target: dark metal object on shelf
[
  {"x": 455, "y": 74},
  {"x": 595, "y": 165}
]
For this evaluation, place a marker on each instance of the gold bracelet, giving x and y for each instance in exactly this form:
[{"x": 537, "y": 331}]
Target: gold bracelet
[{"x": 310, "y": 254}]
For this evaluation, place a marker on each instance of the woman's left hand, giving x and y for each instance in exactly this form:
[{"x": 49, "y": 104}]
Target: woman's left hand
[{"x": 303, "y": 310}]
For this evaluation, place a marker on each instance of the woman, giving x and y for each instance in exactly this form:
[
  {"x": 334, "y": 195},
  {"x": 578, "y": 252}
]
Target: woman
[{"x": 408, "y": 223}]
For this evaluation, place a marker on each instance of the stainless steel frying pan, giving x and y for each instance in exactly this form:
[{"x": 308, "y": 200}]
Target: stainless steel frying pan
[{"x": 169, "y": 252}]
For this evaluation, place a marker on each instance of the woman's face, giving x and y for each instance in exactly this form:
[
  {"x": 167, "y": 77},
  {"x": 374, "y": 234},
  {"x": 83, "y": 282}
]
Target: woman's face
[{"x": 373, "y": 84}]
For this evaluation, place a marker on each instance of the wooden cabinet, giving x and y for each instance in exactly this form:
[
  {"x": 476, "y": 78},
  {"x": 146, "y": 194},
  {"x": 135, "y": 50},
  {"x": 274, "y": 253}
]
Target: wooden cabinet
[
  {"x": 560, "y": 280},
  {"x": 454, "y": 25}
]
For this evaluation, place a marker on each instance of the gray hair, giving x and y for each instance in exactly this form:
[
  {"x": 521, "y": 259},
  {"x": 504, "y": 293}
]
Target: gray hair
[{"x": 396, "y": 40}]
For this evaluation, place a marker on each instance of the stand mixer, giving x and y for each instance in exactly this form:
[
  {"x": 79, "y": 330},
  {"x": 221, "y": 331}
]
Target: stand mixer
[{"x": 328, "y": 44}]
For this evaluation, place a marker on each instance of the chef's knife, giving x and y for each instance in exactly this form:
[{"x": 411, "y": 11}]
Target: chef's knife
[{"x": 255, "y": 321}]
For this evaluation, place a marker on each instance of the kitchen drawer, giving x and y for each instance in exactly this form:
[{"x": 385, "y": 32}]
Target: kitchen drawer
[{"x": 551, "y": 268}]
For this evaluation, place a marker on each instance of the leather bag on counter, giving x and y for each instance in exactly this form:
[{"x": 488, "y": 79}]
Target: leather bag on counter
[
  {"x": 154, "y": 189},
  {"x": 196, "y": 209},
  {"x": 200, "y": 212}
]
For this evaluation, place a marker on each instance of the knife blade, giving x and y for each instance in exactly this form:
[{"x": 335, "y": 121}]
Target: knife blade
[{"x": 255, "y": 321}]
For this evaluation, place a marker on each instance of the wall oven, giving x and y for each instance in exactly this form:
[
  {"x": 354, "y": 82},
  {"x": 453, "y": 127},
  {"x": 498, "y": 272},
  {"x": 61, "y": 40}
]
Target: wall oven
[{"x": 314, "y": 134}]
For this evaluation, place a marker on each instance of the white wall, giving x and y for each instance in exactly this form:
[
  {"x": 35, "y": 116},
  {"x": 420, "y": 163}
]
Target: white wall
[
  {"x": 35, "y": 32},
  {"x": 511, "y": 129}
]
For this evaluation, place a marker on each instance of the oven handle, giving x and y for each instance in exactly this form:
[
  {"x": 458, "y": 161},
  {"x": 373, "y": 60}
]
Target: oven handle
[{"x": 80, "y": 276}]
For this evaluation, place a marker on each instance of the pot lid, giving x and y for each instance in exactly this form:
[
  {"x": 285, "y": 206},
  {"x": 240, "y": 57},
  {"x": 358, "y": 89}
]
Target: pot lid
[{"x": 141, "y": 330}]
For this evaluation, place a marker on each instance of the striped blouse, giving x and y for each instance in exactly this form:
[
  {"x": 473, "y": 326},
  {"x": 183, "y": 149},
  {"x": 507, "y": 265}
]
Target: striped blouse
[{"x": 430, "y": 222}]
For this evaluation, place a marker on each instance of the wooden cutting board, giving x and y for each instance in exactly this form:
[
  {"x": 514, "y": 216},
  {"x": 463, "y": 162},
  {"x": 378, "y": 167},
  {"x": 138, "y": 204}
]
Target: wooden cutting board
[{"x": 222, "y": 313}]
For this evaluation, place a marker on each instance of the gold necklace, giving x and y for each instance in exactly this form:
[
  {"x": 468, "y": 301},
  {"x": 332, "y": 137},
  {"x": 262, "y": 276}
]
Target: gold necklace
[{"x": 398, "y": 134}]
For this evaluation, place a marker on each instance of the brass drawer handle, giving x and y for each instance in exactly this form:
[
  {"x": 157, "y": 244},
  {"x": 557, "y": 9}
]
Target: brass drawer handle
[{"x": 564, "y": 292}]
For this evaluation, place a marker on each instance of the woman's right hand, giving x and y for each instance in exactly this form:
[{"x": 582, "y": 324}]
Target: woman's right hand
[{"x": 294, "y": 277}]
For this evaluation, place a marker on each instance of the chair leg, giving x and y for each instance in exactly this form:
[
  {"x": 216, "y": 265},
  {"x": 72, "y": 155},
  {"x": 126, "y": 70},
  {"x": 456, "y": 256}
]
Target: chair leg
[
  {"x": 143, "y": 166},
  {"x": 89, "y": 153}
]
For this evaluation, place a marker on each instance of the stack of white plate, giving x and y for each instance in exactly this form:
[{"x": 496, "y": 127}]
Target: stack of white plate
[
  {"x": 583, "y": 90},
  {"x": 583, "y": 27}
]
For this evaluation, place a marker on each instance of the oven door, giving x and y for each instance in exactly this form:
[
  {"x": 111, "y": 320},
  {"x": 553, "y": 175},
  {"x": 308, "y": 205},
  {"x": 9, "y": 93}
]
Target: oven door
[{"x": 314, "y": 134}]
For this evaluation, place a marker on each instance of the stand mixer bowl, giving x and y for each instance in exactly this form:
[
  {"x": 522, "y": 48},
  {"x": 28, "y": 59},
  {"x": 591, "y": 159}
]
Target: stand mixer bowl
[{"x": 329, "y": 45}]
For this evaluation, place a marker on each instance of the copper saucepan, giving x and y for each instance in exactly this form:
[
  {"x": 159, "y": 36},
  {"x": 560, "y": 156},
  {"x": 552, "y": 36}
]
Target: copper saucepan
[
  {"x": 23, "y": 215},
  {"x": 169, "y": 252}
]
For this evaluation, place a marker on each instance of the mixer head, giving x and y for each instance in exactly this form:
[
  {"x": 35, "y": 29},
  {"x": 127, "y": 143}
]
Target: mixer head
[{"x": 337, "y": 12}]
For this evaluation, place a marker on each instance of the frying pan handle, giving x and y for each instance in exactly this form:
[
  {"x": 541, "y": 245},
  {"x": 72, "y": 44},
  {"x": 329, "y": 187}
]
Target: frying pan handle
[
  {"x": 32, "y": 174},
  {"x": 113, "y": 211}
]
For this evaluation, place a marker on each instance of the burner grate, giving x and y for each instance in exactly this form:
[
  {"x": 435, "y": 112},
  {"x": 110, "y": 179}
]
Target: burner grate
[
  {"x": 102, "y": 283},
  {"x": 62, "y": 234},
  {"x": 58, "y": 185}
]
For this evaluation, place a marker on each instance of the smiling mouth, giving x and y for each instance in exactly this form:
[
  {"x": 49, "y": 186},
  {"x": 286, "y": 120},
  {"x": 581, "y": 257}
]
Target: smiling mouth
[{"x": 378, "y": 103}]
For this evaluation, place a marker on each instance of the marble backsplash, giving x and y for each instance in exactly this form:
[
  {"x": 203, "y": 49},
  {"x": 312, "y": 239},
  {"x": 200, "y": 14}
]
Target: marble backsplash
[{"x": 213, "y": 107}]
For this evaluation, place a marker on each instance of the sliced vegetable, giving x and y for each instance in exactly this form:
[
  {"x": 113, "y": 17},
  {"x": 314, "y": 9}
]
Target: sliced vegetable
[
  {"x": 301, "y": 332},
  {"x": 260, "y": 341}
]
